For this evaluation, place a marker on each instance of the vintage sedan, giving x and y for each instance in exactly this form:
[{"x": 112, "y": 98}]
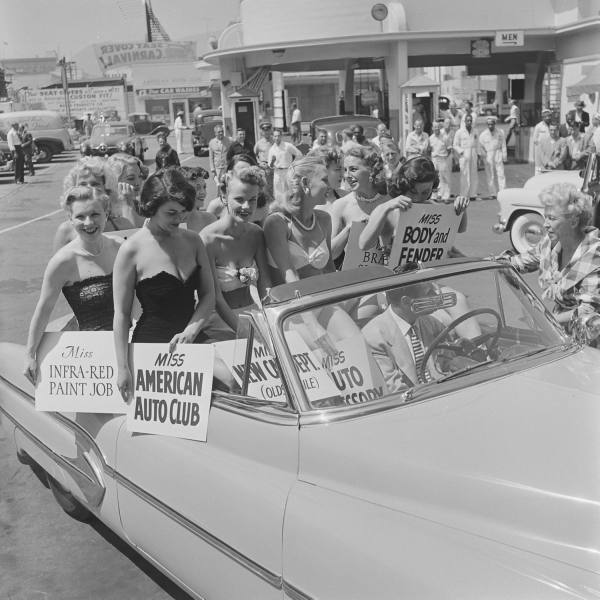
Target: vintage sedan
[
  {"x": 330, "y": 472},
  {"x": 336, "y": 124},
  {"x": 112, "y": 137},
  {"x": 521, "y": 212}
]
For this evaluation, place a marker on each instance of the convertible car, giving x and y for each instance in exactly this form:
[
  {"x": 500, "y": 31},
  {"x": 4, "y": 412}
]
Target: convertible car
[
  {"x": 331, "y": 472},
  {"x": 521, "y": 212}
]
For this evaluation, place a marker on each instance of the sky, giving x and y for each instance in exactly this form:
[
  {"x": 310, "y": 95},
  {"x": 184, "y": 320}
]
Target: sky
[{"x": 31, "y": 28}]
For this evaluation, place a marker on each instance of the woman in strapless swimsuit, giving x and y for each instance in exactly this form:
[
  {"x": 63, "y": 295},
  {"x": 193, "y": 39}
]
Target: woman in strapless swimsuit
[
  {"x": 94, "y": 172},
  {"x": 166, "y": 267},
  {"x": 236, "y": 249},
  {"x": 82, "y": 270},
  {"x": 299, "y": 237}
]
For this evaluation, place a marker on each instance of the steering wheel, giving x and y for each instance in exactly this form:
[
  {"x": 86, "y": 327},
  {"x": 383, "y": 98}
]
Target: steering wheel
[{"x": 467, "y": 347}]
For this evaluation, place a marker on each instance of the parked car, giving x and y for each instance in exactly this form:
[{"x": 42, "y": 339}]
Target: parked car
[
  {"x": 111, "y": 137},
  {"x": 6, "y": 158},
  {"x": 336, "y": 124},
  {"x": 316, "y": 481},
  {"x": 47, "y": 127},
  {"x": 521, "y": 212},
  {"x": 143, "y": 124},
  {"x": 204, "y": 123}
]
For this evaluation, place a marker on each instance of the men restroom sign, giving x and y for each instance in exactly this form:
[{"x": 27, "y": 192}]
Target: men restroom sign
[{"x": 509, "y": 38}]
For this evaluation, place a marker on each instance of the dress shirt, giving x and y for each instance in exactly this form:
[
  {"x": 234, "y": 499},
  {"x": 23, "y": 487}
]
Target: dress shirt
[
  {"x": 217, "y": 153},
  {"x": 440, "y": 145},
  {"x": 13, "y": 139},
  {"x": 416, "y": 144},
  {"x": 284, "y": 154}
]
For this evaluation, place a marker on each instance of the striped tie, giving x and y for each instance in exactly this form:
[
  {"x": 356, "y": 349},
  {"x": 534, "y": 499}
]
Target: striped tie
[{"x": 419, "y": 352}]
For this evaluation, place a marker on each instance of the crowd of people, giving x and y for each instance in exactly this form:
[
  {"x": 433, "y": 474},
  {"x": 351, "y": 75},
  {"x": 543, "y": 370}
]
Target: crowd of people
[
  {"x": 23, "y": 149},
  {"x": 195, "y": 265}
]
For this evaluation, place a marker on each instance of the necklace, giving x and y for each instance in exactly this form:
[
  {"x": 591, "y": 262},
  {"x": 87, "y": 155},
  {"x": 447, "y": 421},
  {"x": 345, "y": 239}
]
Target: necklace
[
  {"x": 302, "y": 226},
  {"x": 361, "y": 198},
  {"x": 86, "y": 252}
]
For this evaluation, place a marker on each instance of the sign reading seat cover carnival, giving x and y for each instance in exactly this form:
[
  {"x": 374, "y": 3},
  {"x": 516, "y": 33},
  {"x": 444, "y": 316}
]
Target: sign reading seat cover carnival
[
  {"x": 171, "y": 390},
  {"x": 127, "y": 53},
  {"x": 77, "y": 373},
  {"x": 425, "y": 233}
]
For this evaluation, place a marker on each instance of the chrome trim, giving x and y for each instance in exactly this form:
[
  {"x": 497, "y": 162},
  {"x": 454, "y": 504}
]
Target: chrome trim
[
  {"x": 429, "y": 391},
  {"x": 294, "y": 593},
  {"x": 265, "y": 574},
  {"x": 79, "y": 469},
  {"x": 254, "y": 409}
]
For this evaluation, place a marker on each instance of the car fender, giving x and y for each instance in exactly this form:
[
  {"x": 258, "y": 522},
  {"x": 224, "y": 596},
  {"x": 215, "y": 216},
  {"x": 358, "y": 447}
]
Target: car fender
[
  {"x": 55, "y": 144},
  {"x": 515, "y": 201}
]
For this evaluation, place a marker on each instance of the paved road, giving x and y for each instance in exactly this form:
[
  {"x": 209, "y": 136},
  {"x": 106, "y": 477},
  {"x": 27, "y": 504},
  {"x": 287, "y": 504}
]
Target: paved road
[{"x": 44, "y": 555}]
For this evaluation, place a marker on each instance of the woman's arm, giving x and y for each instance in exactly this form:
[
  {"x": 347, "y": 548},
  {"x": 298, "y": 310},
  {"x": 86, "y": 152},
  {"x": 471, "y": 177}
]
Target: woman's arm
[
  {"x": 340, "y": 230},
  {"x": 276, "y": 238},
  {"x": 64, "y": 234},
  {"x": 124, "y": 279},
  {"x": 206, "y": 297},
  {"x": 264, "y": 280},
  {"x": 379, "y": 218},
  {"x": 55, "y": 278},
  {"x": 325, "y": 222}
]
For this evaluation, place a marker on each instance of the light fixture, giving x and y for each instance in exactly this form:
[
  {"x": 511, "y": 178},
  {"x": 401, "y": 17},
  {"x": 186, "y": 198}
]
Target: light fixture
[{"x": 379, "y": 11}]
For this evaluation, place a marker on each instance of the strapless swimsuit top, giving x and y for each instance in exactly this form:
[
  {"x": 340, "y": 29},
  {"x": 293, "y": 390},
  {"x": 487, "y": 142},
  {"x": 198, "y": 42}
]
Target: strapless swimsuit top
[
  {"x": 91, "y": 300},
  {"x": 229, "y": 277}
]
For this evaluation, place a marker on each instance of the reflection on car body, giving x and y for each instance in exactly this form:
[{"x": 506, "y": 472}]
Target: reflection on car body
[{"x": 318, "y": 481}]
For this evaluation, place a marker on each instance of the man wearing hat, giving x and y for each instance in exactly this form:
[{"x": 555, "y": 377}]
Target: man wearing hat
[
  {"x": 261, "y": 149},
  {"x": 580, "y": 116},
  {"x": 493, "y": 148},
  {"x": 179, "y": 127},
  {"x": 540, "y": 132}
]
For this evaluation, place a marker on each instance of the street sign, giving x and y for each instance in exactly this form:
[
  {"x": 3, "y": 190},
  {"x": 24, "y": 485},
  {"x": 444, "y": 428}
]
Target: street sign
[{"x": 509, "y": 38}]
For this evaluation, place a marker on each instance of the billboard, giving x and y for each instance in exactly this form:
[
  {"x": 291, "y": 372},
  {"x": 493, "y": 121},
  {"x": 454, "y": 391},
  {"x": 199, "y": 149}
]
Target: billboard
[
  {"x": 82, "y": 100},
  {"x": 126, "y": 53}
]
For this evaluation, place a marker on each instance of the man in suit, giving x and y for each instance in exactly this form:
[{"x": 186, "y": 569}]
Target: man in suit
[
  {"x": 398, "y": 337},
  {"x": 554, "y": 152},
  {"x": 579, "y": 116}
]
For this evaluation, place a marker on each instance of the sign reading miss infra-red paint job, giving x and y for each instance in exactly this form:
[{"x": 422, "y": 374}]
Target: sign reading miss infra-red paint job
[{"x": 171, "y": 390}]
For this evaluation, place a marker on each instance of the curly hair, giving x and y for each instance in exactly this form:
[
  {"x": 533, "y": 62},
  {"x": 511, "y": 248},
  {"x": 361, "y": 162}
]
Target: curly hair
[
  {"x": 372, "y": 159},
  {"x": 252, "y": 175},
  {"x": 117, "y": 162},
  {"x": 164, "y": 185},
  {"x": 330, "y": 155},
  {"x": 419, "y": 169},
  {"x": 99, "y": 169},
  {"x": 569, "y": 201},
  {"x": 84, "y": 192}
]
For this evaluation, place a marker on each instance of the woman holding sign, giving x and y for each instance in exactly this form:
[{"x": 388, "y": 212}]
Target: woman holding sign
[
  {"x": 236, "y": 246},
  {"x": 82, "y": 270},
  {"x": 165, "y": 266}
]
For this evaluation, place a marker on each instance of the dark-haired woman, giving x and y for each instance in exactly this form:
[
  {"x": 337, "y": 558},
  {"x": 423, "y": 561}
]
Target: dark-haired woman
[
  {"x": 81, "y": 269},
  {"x": 165, "y": 266},
  {"x": 364, "y": 175}
]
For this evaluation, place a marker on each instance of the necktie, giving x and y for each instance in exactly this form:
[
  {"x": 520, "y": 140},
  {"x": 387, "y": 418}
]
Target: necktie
[{"x": 419, "y": 352}]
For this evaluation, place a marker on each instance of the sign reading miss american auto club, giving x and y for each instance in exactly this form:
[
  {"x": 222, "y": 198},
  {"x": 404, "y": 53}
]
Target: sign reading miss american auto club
[
  {"x": 77, "y": 373},
  {"x": 171, "y": 390}
]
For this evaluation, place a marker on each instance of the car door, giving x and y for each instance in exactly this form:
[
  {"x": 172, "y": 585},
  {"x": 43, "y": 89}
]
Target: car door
[{"x": 211, "y": 513}]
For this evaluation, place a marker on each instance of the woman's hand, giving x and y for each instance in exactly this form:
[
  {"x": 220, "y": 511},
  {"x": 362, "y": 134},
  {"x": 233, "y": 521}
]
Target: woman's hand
[
  {"x": 460, "y": 204},
  {"x": 126, "y": 191},
  {"x": 187, "y": 336},
  {"x": 400, "y": 202},
  {"x": 31, "y": 369},
  {"x": 125, "y": 383}
]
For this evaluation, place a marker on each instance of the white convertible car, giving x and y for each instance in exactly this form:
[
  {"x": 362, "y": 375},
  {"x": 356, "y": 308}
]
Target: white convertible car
[
  {"x": 329, "y": 473},
  {"x": 521, "y": 212}
]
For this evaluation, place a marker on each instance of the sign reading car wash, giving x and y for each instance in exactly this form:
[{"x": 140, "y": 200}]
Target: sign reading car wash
[
  {"x": 506, "y": 39},
  {"x": 169, "y": 92},
  {"x": 171, "y": 390},
  {"x": 82, "y": 100},
  {"x": 77, "y": 373}
]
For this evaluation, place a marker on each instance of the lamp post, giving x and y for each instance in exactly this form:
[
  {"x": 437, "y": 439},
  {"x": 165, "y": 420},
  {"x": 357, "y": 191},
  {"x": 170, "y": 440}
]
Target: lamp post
[{"x": 62, "y": 63}]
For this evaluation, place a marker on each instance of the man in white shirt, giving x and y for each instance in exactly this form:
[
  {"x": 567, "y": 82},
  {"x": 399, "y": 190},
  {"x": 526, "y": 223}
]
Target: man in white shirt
[
  {"x": 381, "y": 131},
  {"x": 261, "y": 150},
  {"x": 514, "y": 118},
  {"x": 493, "y": 148},
  {"x": 296, "y": 122},
  {"x": 466, "y": 146},
  {"x": 217, "y": 153},
  {"x": 591, "y": 139},
  {"x": 417, "y": 141},
  {"x": 179, "y": 127},
  {"x": 15, "y": 146},
  {"x": 468, "y": 111},
  {"x": 441, "y": 148},
  {"x": 281, "y": 156},
  {"x": 321, "y": 139},
  {"x": 540, "y": 132},
  {"x": 553, "y": 150}
]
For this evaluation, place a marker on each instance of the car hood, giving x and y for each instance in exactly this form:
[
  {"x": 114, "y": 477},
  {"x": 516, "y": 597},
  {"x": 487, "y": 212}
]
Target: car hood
[
  {"x": 515, "y": 460},
  {"x": 538, "y": 182}
]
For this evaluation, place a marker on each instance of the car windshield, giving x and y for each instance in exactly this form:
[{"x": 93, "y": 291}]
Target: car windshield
[
  {"x": 103, "y": 131},
  {"x": 414, "y": 336}
]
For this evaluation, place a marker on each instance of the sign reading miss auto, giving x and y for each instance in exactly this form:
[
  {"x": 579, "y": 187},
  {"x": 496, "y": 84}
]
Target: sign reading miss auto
[{"x": 82, "y": 100}]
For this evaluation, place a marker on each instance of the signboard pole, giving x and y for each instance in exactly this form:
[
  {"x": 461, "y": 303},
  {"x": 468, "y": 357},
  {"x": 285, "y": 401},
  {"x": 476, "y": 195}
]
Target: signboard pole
[{"x": 65, "y": 83}]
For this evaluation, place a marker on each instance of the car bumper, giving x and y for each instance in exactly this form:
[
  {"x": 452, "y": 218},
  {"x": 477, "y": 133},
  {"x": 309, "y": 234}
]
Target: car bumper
[{"x": 500, "y": 226}]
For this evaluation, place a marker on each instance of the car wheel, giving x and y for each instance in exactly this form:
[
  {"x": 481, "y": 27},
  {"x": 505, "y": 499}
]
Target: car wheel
[
  {"x": 67, "y": 501},
  {"x": 44, "y": 153},
  {"x": 526, "y": 231}
]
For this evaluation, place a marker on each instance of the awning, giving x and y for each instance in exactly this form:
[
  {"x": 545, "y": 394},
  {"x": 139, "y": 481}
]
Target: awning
[{"x": 588, "y": 85}]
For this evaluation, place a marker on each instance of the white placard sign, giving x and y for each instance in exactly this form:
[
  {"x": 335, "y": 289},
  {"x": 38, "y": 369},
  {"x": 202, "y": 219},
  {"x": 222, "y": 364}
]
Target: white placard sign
[
  {"x": 77, "y": 373},
  {"x": 509, "y": 38},
  {"x": 171, "y": 390},
  {"x": 424, "y": 234},
  {"x": 355, "y": 257}
]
